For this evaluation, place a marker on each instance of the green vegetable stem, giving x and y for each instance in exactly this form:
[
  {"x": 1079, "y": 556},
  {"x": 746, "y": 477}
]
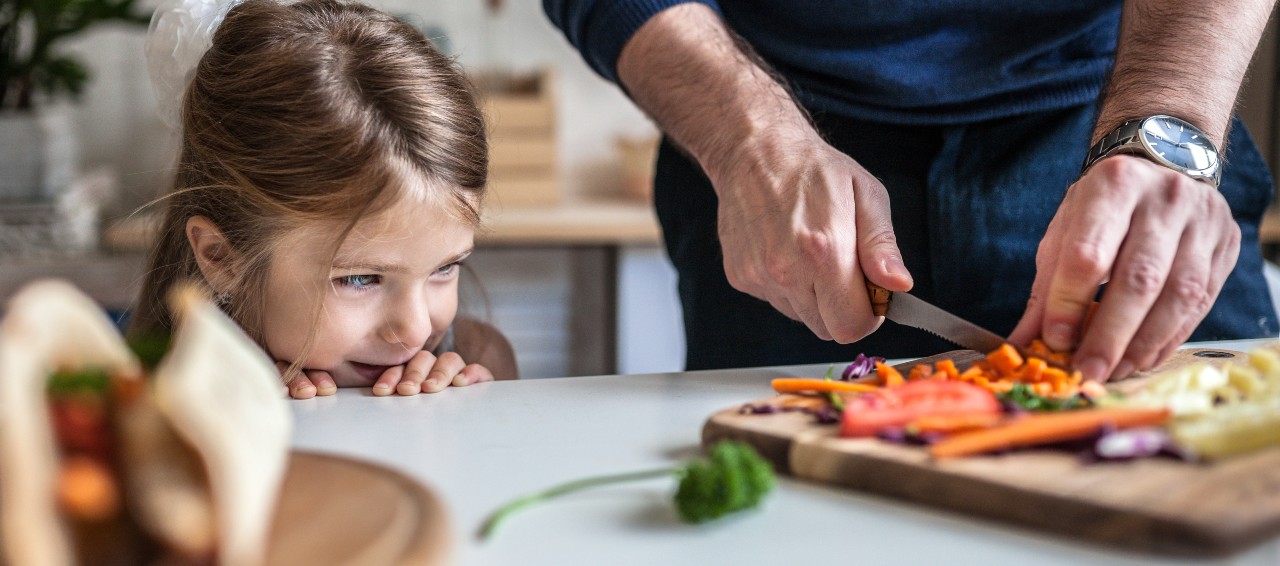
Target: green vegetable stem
[{"x": 733, "y": 479}]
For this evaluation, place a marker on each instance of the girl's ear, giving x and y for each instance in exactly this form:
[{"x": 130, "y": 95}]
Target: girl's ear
[{"x": 212, "y": 252}]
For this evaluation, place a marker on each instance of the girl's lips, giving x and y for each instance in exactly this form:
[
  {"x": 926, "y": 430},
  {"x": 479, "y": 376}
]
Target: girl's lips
[{"x": 371, "y": 373}]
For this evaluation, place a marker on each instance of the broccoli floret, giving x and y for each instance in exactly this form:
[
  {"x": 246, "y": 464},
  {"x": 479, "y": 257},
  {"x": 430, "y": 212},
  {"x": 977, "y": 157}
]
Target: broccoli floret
[{"x": 734, "y": 478}]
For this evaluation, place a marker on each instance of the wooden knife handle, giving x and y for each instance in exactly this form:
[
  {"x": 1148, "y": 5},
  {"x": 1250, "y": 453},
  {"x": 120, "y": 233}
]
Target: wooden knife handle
[{"x": 879, "y": 298}]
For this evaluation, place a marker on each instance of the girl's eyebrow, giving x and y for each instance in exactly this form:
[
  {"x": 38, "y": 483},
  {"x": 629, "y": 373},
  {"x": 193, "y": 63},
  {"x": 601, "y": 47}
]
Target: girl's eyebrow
[
  {"x": 377, "y": 267},
  {"x": 357, "y": 265},
  {"x": 459, "y": 256}
]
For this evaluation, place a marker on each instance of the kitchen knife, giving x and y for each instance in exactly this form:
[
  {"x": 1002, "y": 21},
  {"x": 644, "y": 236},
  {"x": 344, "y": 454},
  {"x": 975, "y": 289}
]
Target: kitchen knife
[{"x": 907, "y": 309}]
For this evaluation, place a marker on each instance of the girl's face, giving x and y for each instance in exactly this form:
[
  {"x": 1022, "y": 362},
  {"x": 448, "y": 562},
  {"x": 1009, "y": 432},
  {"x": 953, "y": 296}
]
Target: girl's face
[{"x": 391, "y": 292}]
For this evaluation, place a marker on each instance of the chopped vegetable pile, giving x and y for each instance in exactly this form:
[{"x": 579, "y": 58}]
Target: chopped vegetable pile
[
  {"x": 1004, "y": 402},
  {"x": 1001, "y": 371}
]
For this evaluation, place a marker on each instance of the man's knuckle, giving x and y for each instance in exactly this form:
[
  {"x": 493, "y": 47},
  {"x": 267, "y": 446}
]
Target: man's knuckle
[
  {"x": 1086, "y": 258},
  {"x": 817, "y": 244},
  {"x": 1192, "y": 292},
  {"x": 1144, "y": 278},
  {"x": 1117, "y": 175}
]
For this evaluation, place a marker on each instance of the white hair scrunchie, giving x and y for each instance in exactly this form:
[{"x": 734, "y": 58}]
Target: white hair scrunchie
[{"x": 181, "y": 32}]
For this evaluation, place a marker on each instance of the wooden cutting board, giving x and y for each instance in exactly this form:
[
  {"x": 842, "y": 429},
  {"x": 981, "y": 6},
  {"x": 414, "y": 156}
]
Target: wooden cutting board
[{"x": 1157, "y": 505}]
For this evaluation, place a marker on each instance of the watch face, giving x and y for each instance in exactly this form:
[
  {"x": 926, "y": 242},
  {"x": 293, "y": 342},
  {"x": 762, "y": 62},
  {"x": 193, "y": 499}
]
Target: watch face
[{"x": 1178, "y": 143}]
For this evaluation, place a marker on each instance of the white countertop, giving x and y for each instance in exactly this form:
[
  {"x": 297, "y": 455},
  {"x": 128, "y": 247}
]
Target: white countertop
[{"x": 480, "y": 446}]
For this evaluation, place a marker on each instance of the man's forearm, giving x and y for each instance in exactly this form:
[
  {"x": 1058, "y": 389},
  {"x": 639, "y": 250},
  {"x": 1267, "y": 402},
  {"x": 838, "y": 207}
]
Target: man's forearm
[
  {"x": 685, "y": 70},
  {"x": 1183, "y": 58}
]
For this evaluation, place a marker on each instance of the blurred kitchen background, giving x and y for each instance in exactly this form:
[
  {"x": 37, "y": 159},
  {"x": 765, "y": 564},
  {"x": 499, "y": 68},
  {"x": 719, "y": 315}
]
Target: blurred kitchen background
[{"x": 569, "y": 267}]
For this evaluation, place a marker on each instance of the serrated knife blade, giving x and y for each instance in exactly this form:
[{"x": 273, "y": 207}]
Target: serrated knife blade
[{"x": 907, "y": 309}]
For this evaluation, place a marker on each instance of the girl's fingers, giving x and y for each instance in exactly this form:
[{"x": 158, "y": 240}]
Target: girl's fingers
[
  {"x": 301, "y": 387},
  {"x": 447, "y": 366},
  {"x": 323, "y": 382},
  {"x": 415, "y": 372},
  {"x": 386, "y": 383},
  {"x": 473, "y": 373}
]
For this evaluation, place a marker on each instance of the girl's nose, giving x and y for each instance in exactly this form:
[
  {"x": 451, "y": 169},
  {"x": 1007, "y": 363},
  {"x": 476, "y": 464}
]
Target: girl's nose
[{"x": 408, "y": 322}]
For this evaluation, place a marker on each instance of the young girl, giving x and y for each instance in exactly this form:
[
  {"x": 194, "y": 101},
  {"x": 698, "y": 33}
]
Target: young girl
[{"x": 328, "y": 189}]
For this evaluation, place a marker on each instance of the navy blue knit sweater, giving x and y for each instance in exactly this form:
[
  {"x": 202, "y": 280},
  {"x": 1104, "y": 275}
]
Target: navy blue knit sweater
[{"x": 896, "y": 61}]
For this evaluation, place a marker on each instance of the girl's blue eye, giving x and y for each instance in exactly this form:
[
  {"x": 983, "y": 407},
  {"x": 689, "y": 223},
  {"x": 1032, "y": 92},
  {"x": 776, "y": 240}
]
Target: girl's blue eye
[
  {"x": 449, "y": 269},
  {"x": 359, "y": 282}
]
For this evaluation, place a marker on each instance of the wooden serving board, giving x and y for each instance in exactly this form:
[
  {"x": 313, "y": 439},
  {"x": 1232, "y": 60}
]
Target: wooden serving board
[
  {"x": 1157, "y": 505},
  {"x": 334, "y": 510}
]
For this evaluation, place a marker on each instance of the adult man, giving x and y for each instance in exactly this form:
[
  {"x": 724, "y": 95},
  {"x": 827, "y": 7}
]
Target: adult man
[{"x": 973, "y": 119}]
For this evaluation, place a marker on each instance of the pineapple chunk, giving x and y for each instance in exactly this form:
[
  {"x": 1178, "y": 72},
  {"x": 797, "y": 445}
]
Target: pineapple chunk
[
  {"x": 1230, "y": 429},
  {"x": 1266, "y": 361},
  {"x": 1246, "y": 379}
]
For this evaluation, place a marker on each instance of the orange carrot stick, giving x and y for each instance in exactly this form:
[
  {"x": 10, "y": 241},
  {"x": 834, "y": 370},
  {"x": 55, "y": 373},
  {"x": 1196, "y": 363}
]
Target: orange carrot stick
[
  {"x": 804, "y": 384},
  {"x": 1044, "y": 428}
]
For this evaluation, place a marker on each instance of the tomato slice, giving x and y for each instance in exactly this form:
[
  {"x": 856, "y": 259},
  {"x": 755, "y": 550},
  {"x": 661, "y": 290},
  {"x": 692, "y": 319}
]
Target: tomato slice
[{"x": 865, "y": 415}]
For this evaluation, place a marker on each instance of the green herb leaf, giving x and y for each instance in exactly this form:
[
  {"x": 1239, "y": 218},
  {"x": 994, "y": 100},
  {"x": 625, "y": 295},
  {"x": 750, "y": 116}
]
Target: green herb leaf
[
  {"x": 94, "y": 381},
  {"x": 1023, "y": 396}
]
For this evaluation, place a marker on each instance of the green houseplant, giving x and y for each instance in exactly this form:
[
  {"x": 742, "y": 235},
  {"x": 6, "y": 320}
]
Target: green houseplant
[
  {"x": 30, "y": 31},
  {"x": 37, "y": 144}
]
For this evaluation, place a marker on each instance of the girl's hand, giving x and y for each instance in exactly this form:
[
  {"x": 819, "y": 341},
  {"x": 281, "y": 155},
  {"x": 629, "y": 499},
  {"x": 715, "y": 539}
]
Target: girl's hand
[
  {"x": 308, "y": 383},
  {"x": 427, "y": 373}
]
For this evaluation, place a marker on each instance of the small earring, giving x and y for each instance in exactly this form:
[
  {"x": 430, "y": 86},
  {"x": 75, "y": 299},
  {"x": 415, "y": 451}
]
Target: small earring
[{"x": 222, "y": 299}]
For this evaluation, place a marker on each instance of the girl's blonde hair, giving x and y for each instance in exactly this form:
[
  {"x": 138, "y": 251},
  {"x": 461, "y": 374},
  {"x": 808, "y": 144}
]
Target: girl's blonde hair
[{"x": 309, "y": 111}]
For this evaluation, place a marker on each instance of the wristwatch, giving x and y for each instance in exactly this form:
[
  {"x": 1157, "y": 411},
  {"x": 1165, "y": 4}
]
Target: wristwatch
[{"x": 1165, "y": 140}]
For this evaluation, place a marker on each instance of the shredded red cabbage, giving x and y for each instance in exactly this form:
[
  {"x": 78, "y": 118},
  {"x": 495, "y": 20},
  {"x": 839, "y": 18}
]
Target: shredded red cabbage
[
  {"x": 861, "y": 366},
  {"x": 822, "y": 415},
  {"x": 1141, "y": 442}
]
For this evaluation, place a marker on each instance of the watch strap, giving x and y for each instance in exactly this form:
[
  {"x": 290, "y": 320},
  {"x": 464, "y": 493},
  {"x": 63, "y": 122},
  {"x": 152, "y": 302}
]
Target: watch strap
[
  {"x": 1126, "y": 135},
  {"x": 1125, "y": 139}
]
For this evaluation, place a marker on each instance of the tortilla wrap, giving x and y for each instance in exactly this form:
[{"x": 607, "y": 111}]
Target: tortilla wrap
[{"x": 215, "y": 392}]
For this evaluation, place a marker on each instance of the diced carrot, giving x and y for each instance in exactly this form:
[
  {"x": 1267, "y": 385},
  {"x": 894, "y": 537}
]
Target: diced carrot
[
  {"x": 1044, "y": 428},
  {"x": 1041, "y": 350},
  {"x": 1000, "y": 386},
  {"x": 1041, "y": 388},
  {"x": 920, "y": 371},
  {"x": 1005, "y": 359},
  {"x": 1033, "y": 370},
  {"x": 973, "y": 374},
  {"x": 948, "y": 369},
  {"x": 888, "y": 375},
  {"x": 1054, "y": 375},
  {"x": 804, "y": 384}
]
